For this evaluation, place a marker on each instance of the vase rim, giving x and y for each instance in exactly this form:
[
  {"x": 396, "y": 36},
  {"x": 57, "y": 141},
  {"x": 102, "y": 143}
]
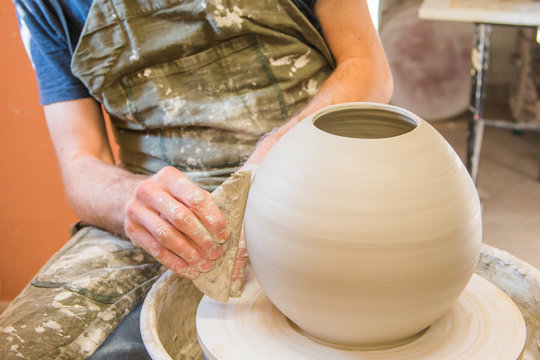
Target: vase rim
[{"x": 384, "y": 121}]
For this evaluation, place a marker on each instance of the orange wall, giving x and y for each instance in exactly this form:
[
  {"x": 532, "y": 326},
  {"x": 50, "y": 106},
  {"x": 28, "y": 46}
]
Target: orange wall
[{"x": 34, "y": 214}]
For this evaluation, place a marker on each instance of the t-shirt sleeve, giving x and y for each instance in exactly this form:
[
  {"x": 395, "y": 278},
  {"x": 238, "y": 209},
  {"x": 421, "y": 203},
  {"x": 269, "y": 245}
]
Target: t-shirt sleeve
[
  {"x": 307, "y": 7},
  {"x": 47, "y": 47}
]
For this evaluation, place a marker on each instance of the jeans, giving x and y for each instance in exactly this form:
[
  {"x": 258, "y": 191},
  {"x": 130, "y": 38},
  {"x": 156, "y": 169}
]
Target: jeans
[{"x": 125, "y": 342}]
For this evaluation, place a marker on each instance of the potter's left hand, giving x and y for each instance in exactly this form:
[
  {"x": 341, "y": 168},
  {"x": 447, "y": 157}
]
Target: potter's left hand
[
  {"x": 240, "y": 265},
  {"x": 242, "y": 259}
]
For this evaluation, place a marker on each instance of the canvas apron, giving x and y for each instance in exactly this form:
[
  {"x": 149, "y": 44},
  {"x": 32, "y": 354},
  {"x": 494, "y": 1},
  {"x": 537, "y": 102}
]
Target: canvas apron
[
  {"x": 190, "y": 84},
  {"x": 194, "y": 84}
]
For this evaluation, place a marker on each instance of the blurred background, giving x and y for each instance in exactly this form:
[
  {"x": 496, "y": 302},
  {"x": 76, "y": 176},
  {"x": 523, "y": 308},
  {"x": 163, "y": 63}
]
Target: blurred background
[
  {"x": 34, "y": 215},
  {"x": 431, "y": 61}
]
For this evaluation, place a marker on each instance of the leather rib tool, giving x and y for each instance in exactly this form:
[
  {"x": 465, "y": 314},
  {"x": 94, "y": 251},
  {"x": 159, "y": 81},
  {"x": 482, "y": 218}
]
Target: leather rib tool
[{"x": 231, "y": 197}]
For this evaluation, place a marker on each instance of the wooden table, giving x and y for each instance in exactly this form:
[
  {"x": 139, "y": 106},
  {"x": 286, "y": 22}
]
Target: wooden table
[{"x": 483, "y": 13}]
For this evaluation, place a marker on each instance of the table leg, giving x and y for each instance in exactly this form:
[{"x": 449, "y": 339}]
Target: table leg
[{"x": 479, "y": 57}]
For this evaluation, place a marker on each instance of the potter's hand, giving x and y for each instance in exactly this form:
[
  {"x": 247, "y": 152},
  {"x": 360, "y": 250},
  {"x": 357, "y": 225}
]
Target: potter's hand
[
  {"x": 242, "y": 259},
  {"x": 239, "y": 270},
  {"x": 176, "y": 222}
]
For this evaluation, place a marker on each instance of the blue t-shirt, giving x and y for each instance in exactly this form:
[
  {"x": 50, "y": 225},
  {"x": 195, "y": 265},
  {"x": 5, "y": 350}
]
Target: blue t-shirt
[{"x": 50, "y": 31}]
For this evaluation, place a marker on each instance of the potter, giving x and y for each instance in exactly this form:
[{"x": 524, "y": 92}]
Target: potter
[
  {"x": 362, "y": 225},
  {"x": 191, "y": 86}
]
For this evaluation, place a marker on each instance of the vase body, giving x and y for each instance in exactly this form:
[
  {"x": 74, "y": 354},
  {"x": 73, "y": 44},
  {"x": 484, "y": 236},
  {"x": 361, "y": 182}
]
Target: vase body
[{"x": 362, "y": 225}]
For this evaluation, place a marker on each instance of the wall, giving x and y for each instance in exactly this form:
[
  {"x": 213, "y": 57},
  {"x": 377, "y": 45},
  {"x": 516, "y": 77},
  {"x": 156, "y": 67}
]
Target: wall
[
  {"x": 503, "y": 40},
  {"x": 34, "y": 214}
]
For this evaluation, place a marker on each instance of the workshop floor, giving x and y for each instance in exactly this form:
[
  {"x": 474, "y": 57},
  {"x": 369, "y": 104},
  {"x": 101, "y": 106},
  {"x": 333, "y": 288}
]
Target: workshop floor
[{"x": 508, "y": 185}]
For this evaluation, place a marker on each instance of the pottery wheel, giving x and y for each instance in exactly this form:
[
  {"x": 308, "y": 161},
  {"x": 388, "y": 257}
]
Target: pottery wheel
[{"x": 484, "y": 323}]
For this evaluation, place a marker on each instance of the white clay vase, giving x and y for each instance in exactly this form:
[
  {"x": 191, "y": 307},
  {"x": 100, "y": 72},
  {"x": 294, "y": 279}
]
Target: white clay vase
[{"x": 362, "y": 225}]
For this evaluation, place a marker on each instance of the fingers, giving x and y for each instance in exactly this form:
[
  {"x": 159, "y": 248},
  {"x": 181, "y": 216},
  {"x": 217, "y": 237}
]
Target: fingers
[
  {"x": 146, "y": 241},
  {"x": 176, "y": 222},
  {"x": 200, "y": 203},
  {"x": 164, "y": 237},
  {"x": 240, "y": 265},
  {"x": 183, "y": 220},
  {"x": 239, "y": 269}
]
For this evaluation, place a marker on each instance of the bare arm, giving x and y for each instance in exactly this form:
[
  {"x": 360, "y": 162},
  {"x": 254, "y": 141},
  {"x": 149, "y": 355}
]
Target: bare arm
[
  {"x": 160, "y": 213},
  {"x": 166, "y": 213},
  {"x": 362, "y": 72},
  {"x": 96, "y": 189}
]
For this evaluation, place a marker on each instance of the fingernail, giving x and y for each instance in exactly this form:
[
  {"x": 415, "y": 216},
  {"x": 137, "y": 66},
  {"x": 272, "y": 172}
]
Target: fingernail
[
  {"x": 223, "y": 236},
  {"x": 215, "y": 252},
  {"x": 206, "y": 266},
  {"x": 192, "y": 272}
]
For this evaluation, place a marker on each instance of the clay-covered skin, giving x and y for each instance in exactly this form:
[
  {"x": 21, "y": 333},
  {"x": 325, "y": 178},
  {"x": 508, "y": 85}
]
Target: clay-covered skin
[{"x": 363, "y": 233}]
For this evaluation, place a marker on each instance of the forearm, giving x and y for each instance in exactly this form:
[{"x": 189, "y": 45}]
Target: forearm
[
  {"x": 165, "y": 213},
  {"x": 96, "y": 189},
  {"x": 354, "y": 79},
  {"x": 362, "y": 72},
  {"x": 98, "y": 192}
]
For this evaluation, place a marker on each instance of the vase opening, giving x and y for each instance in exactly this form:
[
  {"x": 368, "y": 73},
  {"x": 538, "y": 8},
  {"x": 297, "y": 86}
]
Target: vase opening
[{"x": 365, "y": 123}]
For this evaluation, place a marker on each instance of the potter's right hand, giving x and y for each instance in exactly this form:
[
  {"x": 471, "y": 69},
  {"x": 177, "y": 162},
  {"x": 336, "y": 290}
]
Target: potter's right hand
[{"x": 176, "y": 222}]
